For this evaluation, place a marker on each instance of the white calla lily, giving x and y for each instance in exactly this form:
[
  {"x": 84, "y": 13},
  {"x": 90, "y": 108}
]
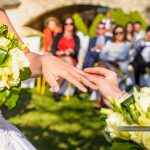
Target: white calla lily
[{"x": 4, "y": 41}]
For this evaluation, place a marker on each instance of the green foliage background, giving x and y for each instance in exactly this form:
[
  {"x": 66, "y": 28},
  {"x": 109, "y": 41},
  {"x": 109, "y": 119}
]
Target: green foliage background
[{"x": 118, "y": 16}]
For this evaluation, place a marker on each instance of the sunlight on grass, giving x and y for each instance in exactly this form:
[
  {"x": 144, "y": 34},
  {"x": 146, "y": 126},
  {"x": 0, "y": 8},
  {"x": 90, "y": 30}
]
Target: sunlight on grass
[
  {"x": 33, "y": 119},
  {"x": 64, "y": 125}
]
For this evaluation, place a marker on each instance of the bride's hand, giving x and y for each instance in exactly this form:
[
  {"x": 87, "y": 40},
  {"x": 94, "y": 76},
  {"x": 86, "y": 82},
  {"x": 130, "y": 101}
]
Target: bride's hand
[
  {"x": 106, "y": 80},
  {"x": 54, "y": 69}
]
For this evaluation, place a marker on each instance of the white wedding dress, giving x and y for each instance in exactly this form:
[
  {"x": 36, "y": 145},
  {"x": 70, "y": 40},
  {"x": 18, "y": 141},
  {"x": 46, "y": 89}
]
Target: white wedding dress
[{"x": 11, "y": 138}]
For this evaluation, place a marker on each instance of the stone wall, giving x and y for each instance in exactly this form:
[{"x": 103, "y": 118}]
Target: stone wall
[{"x": 31, "y": 9}]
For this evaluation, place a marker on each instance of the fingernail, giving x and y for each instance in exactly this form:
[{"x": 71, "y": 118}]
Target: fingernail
[
  {"x": 85, "y": 90},
  {"x": 55, "y": 89}
]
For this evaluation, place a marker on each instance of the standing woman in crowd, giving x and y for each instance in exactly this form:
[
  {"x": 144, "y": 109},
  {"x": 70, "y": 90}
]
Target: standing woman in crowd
[
  {"x": 66, "y": 47},
  {"x": 66, "y": 44},
  {"x": 51, "y": 30},
  {"x": 129, "y": 30}
]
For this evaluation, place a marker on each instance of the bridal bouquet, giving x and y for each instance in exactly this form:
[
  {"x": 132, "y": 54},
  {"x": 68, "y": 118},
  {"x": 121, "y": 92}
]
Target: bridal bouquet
[
  {"x": 14, "y": 67},
  {"x": 128, "y": 121}
]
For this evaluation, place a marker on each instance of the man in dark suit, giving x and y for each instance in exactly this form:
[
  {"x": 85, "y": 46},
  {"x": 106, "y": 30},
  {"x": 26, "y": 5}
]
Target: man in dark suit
[{"x": 96, "y": 44}]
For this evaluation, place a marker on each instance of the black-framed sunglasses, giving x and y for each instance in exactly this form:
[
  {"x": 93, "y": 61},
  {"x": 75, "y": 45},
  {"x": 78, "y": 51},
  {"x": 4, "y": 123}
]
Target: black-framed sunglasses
[
  {"x": 119, "y": 33},
  {"x": 101, "y": 28},
  {"x": 66, "y": 24}
]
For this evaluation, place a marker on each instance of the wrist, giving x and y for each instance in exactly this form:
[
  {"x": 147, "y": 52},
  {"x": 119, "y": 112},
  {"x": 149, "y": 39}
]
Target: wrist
[
  {"x": 117, "y": 94},
  {"x": 26, "y": 51},
  {"x": 36, "y": 68},
  {"x": 121, "y": 95}
]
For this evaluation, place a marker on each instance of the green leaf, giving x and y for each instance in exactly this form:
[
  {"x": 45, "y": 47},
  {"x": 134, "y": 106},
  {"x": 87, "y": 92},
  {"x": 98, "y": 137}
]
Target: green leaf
[
  {"x": 93, "y": 26},
  {"x": 13, "y": 97},
  {"x": 134, "y": 113},
  {"x": 25, "y": 73},
  {"x": 125, "y": 145},
  {"x": 79, "y": 23},
  {"x": 6, "y": 61},
  {"x": 128, "y": 102},
  {"x": 14, "y": 43},
  {"x": 3, "y": 29},
  {"x": 103, "y": 117},
  {"x": 128, "y": 117},
  {"x": 10, "y": 35},
  {"x": 4, "y": 48},
  {"x": 3, "y": 54},
  {"x": 3, "y": 95}
]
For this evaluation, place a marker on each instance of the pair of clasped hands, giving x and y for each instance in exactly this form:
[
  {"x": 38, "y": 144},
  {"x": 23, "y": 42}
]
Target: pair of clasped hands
[{"x": 104, "y": 80}]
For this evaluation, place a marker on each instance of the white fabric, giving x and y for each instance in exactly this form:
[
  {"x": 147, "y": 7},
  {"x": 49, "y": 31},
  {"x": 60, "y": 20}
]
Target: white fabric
[
  {"x": 139, "y": 35},
  {"x": 29, "y": 83},
  {"x": 11, "y": 138},
  {"x": 84, "y": 43},
  {"x": 146, "y": 54}
]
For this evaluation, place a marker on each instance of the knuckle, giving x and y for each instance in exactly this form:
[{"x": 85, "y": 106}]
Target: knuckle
[{"x": 65, "y": 73}]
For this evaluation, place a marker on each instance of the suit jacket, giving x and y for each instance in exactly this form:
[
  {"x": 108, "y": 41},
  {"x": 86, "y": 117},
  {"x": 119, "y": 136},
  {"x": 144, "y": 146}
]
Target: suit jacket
[{"x": 91, "y": 56}]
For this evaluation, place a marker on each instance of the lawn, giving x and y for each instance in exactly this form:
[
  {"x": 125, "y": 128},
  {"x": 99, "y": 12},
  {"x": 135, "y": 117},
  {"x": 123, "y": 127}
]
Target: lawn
[{"x": 64, "y": 125}]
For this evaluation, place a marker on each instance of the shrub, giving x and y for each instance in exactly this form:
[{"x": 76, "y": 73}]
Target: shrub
[
  {"x": 118, "y": 16},
  {"x": 92, "y": 29},
  {"x": 136, "y": 16},
  {"x": 79, "y": 23},
  {"x": 121, "y": 18}
]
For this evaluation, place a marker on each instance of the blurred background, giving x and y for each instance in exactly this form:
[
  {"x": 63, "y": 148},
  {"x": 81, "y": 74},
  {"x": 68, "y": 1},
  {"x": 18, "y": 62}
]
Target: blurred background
[{"x": 84, "y": 33}]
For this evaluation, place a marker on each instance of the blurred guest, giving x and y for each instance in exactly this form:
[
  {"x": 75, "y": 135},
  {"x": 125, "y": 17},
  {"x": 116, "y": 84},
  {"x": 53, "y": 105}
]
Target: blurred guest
[
  {"x": 141, "y": 61},
  {"x": 129, "y": 31},
  {"x": 117, "y": 50},
  {"x": 138, "y": 32},
  {"x": 108, "y": 24},
  {"x": 96, "y": 44},
  {"x": 115, "y": 53},
  {"x": 51, "y": 30},
  {"x": 66, "y": 44}
]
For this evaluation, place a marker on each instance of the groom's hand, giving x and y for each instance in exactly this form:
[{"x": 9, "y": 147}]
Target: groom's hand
[{"x": 106, "y": 80}]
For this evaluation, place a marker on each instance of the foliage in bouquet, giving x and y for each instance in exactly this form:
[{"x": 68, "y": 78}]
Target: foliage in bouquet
[
  {"x": 14, "y": 67},
  {"x": 134, "y": 112}
]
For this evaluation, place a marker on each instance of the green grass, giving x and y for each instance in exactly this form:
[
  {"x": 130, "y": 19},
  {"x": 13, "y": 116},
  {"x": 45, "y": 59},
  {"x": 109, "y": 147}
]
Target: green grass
[{"x": 64, "y": 125}]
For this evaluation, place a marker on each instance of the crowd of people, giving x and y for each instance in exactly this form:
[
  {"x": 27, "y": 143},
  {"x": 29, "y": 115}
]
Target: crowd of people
[{"x": 125, "y": 50}]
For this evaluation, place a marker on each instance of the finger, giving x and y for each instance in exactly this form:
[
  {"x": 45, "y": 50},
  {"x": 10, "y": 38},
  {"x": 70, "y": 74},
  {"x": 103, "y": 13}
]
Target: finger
[
  {"x": 106, "y": 101},
  {"x": 89, "y": 83},
  {"x": 52, "y": 81},
  {"x": 80, "y": 75},
  {"x": 77, "y": 84},
  {"x": 77, "y": 70},
  {"x": 98, "y": 70},
  {"x": 94, "y": 78},
  {"x": 69, "y": 77}
]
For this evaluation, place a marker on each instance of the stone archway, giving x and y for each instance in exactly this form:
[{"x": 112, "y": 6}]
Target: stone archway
[
  {"x": 9, "y": 3},
  {"x": 30, "y": 10},
  {"x": 87, "y": 12}
]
